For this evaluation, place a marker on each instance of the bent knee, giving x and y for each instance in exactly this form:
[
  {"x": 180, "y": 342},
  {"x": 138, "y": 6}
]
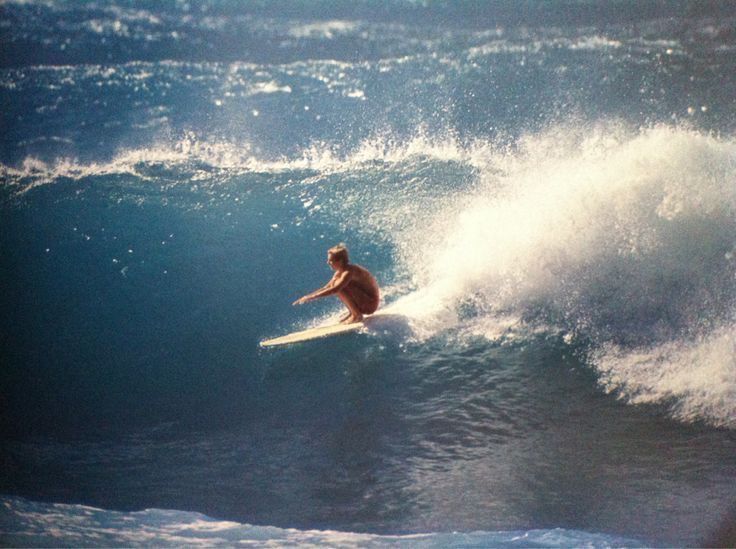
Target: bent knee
[{"x": 362, "y": 301}]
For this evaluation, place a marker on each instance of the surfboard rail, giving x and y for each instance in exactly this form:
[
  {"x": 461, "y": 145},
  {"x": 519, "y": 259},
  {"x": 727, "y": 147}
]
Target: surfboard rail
[
  {"x": 327, "y": 330},
  {"x": 312, "y": 333}
]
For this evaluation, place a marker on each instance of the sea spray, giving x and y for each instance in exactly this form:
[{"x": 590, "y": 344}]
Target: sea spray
[
  {"x": 623, "y": 239},
  {"x": 695, "y": 378}
]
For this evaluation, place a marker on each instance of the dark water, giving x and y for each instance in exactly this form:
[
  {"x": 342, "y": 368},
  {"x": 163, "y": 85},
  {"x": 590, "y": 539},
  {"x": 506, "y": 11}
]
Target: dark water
[{"x": 546, "y": 192}]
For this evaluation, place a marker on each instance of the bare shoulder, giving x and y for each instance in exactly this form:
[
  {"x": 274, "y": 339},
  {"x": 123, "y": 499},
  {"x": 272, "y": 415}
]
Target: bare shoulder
[
  {"x": 358, "y": 270},
  {"x": 362, "y": 274}
]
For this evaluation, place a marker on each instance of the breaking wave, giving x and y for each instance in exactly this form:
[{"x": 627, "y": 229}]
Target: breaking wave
[{"x": 623, "y": 239}]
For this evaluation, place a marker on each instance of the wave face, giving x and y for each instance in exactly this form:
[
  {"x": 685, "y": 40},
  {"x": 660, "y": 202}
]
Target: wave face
[{"x": 545, "y": 191}]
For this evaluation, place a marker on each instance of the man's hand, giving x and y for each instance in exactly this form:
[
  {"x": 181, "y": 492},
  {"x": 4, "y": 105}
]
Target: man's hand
[{"x": 301, "y": 301}]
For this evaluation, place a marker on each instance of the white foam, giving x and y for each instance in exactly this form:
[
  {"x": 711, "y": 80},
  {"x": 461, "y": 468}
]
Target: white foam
[
  {"x": 626, "y": 238},
  {"x": 269, "y": 87},
  {"x": 695, "y": 378},
  {"x": 500, "y": 45},
  {"x": 41, "y": 524},
  {"x": 323, "y": 29},
  {"x": 238, "y": 158},
  {"x": 561, "y": 215}
]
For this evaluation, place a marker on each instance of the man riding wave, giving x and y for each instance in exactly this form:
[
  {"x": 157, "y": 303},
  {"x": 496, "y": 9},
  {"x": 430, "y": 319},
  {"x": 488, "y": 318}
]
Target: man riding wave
[{"x": 354, "y": 285}]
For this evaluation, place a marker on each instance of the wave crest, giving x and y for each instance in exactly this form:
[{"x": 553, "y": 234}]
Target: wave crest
[{"x": 191, "y": 154}]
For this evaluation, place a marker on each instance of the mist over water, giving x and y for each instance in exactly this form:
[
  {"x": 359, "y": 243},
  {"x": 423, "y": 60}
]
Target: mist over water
[{"x": 547, "y": 196}]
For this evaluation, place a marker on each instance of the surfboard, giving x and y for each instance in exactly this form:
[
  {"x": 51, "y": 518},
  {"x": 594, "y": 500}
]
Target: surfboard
[{"x": 369, "y": 322}]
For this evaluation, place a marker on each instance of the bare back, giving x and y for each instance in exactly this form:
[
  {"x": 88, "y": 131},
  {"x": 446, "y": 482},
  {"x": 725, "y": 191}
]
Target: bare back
[{"x": 363, "y": 288}]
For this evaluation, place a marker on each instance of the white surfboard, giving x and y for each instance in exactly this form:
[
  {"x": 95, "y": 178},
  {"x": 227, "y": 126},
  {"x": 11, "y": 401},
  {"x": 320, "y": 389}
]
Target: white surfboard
[{"x": 369, "y": 322}]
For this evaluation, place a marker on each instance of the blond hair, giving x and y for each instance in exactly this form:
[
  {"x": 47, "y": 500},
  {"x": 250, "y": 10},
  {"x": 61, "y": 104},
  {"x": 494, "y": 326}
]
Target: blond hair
[{"x": 339, "y": 253}]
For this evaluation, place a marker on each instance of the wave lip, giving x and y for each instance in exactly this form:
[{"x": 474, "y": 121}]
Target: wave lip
[{"x": 27, "y": 523}]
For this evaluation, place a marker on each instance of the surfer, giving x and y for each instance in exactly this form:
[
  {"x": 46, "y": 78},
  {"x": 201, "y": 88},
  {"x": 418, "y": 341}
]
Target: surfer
[{"x": 354, "y": 285}]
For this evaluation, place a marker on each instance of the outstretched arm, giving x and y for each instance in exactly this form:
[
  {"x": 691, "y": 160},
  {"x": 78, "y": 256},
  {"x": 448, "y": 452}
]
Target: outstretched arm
[{"x": 335, "y": 284}]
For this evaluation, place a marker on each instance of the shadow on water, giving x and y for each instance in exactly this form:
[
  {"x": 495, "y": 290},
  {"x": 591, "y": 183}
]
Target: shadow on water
[{"x": 389, "y": 323}]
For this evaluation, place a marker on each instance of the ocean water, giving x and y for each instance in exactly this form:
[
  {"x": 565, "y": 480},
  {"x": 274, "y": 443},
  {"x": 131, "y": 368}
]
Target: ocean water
[{"x": 546, "y": 192}]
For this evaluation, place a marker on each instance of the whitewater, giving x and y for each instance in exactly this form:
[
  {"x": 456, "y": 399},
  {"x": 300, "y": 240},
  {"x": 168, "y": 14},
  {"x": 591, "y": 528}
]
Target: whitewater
[{"x": 547, "y": 194}]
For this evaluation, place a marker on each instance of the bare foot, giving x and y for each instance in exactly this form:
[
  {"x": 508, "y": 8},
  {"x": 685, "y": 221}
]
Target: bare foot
[
  {"x": 344, "y": 318},
  {"x": 352, "y": 319}
]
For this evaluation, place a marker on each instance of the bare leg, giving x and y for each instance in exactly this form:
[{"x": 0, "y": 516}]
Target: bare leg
[{"x": 355, "y": 315}]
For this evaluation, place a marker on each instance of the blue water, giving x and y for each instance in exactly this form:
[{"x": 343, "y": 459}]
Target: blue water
[{"x": 546, "y": 192}]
